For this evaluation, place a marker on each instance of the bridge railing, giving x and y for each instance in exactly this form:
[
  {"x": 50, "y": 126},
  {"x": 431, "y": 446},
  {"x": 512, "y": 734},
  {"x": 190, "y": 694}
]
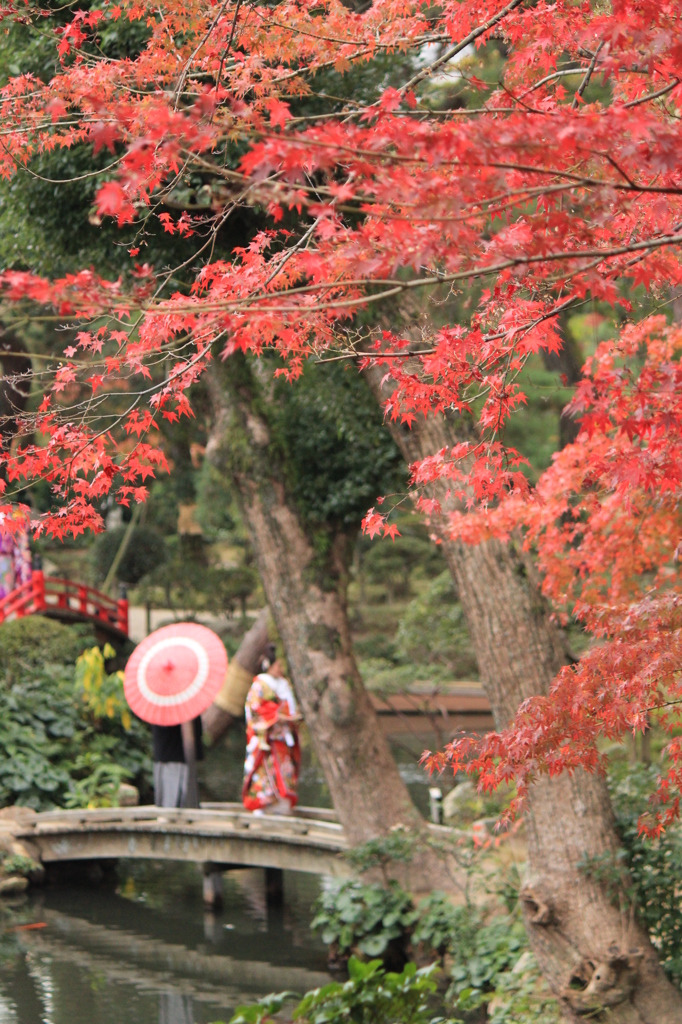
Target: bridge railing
[
  {"x": 43, "y": 594},
  {"x": 18, "y": 603}
]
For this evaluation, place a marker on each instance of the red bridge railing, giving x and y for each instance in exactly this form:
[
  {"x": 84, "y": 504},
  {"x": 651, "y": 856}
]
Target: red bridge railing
[{"x": 48, "y": 595}]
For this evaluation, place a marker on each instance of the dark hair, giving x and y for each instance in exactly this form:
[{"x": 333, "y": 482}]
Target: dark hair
[
  {"x": 270, "y": 651},
  {"x": 269, "y": 656}
]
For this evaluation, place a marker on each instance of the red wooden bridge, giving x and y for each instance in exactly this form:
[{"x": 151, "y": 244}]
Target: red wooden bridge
[{"x": 68, "y": 602}]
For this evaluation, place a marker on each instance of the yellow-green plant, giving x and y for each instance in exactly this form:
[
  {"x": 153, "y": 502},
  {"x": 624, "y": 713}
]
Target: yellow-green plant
[{"x": 102, "y": 691}]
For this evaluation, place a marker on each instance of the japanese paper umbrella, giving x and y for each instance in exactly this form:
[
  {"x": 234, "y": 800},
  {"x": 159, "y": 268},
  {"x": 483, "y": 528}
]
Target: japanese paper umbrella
[{"x": 174, "y": 674}]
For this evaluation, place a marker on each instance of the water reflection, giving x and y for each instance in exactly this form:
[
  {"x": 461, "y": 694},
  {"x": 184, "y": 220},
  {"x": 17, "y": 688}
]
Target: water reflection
[
  {"x": 175, "y": 1008},
  {"x": 146, "y": 952},
  {"x": 149, "y": 954}
]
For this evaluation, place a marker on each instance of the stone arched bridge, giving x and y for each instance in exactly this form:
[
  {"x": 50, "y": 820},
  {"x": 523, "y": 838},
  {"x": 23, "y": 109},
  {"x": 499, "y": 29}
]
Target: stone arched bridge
[{"x": 221, "y": 834}]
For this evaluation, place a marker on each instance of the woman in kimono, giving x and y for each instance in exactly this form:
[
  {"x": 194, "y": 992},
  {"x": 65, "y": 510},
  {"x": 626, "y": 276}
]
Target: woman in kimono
[
  {"x": 15, "y": 561},
  {"x": 273, "y": 752}
]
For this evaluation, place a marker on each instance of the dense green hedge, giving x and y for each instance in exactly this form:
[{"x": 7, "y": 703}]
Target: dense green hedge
[{"x": 33, "y": 642}]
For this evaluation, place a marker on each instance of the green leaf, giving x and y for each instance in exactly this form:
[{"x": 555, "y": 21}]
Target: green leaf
[
  {"x": 374, "y": 945},
  {"x": 360, "y": 971}
]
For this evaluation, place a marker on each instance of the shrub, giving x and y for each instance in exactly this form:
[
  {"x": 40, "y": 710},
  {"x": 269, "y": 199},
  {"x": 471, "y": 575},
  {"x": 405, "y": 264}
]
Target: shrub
[
  {"x": 397, "y": 846},
  {"x": 433, "y": 631},
  {"x": 481, "y": 953},
  {"x": 489, "y": 962},
  {"x": 439, "y": 923},
  {"x": 335, "y": 450},
  {"x": 522, "y": 996},
  {"x": 101, "y": 692},
  {"x": 190, "y": 582},
  {"x": 370, "y": 996},
  {"x": 376, "y": 646},
  {"x": 19, "y": 864},
  {"x": 146, "y": 550},
  {"x": 37, "y": 641},
  {"x": 65, "y": 743},
  {"x": 653, "y": 867},
  {"x": 372, "y": 919}
]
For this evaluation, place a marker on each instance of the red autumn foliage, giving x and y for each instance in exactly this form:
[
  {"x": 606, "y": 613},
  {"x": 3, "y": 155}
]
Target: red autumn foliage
[{"x": 544, "y": 194}]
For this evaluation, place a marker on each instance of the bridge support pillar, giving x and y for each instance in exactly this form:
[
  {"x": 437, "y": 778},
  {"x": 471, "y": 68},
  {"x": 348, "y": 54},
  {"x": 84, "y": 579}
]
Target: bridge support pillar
[
  {"x": 274, "y": 887},
  {"x": 213, "y": 885}
]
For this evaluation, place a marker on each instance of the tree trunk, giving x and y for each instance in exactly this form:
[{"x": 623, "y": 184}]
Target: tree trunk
[
  {"x": 15, "y": 387},
  {"x": 306, "y": 593},
  {"x": 228, "y": 706},
  {"x": 589, "y": 954}
]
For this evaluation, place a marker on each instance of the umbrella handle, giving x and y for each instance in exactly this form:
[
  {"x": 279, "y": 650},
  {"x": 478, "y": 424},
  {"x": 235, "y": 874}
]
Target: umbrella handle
[{"x": 190, "y": 752}]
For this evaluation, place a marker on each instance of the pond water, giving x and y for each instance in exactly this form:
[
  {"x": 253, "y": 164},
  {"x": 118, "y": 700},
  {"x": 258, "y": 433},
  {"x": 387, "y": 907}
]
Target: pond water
[
  {"x": 146, "y": 952},
  {"x": 142, "y": 949}
]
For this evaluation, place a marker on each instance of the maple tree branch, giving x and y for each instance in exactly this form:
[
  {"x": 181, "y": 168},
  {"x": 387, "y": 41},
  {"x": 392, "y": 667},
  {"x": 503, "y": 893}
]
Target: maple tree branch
[
  {"x": 188, "y": 63},
  {"x": 385, "y": 44},
  {"x": 631, "y": 183},
  {"x": 394, "y": 286},
  {"x": 61, "y": 181},
  {"x": 653, "y": 95},
  {"x": 657, "y": 707},
  {"x": 280, "y": 266},
  {"x": 579, "y": 179},
  {"x": 588, "y": 75},
  {"x": 210, "y": 241},
  {"x": 458, "y": 47},
  {"x": 229, "y": 43},
  {"x": 354, "y": 354},
  {"x": 549, "y": 78},
  {"x": 405, "y": 353},
  {"x": 529, "y": 192},
  {"x": 201, "y": 354}
]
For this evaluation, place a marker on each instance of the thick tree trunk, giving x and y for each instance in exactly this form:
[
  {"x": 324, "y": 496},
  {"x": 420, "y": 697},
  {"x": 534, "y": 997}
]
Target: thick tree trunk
[
  {"x": 15, "y": 386},
  {"x": 577, "y": 934},
  {"x": 307, "y": 597},
  {"x": 228, "y": 706}
]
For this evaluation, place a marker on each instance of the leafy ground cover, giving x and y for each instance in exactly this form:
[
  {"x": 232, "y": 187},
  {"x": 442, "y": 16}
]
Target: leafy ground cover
[
  {"x": 370, "y": 996},
  {"x": 468, "y": 963},
  {"x": 480, "y": 944},
  {"x": 67, "y": 738}
]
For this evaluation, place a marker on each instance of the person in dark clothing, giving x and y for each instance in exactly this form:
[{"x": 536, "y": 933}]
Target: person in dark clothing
[{"x": 172, "y": 782}]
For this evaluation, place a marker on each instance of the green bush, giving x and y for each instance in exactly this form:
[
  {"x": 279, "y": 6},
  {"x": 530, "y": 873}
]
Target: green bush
[
  {"x": 376, "y": 646},
  {"x": 18, "y": 864},
  {"x": 397, "y": 846},
  {"x": 145, "y": 551},
  {"x": 38, "y": 641},
  {"x": 522, "y": 996},
  {"x": 392, "y": 563},
  {"x": 230, "y": 587},
  {"x": 186, "y": 583},
  {"x": 433, "y": 631},
  {"x": 336, "y": 452},
  {"x": 66, "y": 736},
  {"x": 365, "y": 918},
  {"x": 370, "y": 996},
  {"x": 488, "y": 960},
  {"x": 653, "y": 867},
  {"x": 373, "y": 996},
  {"x": 438, "y": 924},
  {"x": 95, "y": 781},
  {"x": 481, "y": 953}
]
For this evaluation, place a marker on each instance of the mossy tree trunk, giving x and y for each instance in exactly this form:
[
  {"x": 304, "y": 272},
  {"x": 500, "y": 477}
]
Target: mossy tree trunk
[
  {"x": 305, "y": 579},
  {"x": 591, "y": 954}
]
